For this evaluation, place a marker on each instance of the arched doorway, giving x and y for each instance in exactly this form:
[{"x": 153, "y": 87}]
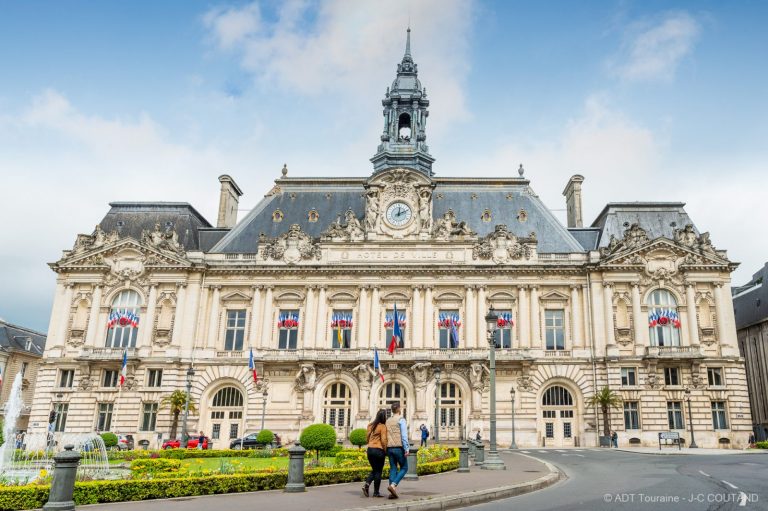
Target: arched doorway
[
  {"x": 451, "y": 420},
  {"x": 337, "y": 407},
  {"x": 226, "y": 416},
  {"x": 558, "y": 417},
  {"x": 393, "y": 392}
]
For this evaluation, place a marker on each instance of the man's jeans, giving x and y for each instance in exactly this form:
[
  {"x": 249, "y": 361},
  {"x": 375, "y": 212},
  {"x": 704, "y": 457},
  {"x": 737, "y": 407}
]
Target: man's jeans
[{"x": 397, "y": 459}]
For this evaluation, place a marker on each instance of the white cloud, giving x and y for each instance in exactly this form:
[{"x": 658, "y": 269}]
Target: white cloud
[
  {"x": 654, "y": 52},
  {"x": 337, "y": 47}
]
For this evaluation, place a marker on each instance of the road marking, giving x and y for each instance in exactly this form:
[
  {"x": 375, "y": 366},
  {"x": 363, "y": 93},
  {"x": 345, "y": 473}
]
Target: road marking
[
  {"x": 704, "y": 474},
  {"x": 742, "y": 499},
  {"x": 580, "y": 450},
  {"x": 525, "y": 452},
  {"x": 579, "y": 455},
  {"x": 731, "y": 485},
  {"x": 543, "y": 452}
]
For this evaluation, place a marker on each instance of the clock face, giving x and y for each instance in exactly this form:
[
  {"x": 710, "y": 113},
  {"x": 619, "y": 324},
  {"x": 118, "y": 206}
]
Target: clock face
[{"x": 399, "y": 214}]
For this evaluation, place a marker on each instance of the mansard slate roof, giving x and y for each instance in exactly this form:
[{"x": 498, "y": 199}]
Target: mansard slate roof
[
  {"x": 659, "y": 219},
  {"x": 750, "y": 301},
  {"x": 467, "y": 197},
  {"x": 131, "y": 218},
  {"x": 15, "y": 337}
]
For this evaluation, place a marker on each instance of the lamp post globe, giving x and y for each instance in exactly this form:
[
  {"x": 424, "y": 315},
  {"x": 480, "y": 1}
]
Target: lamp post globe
[
  {"x": 184, "y": 431},
  {"x": 492, "y": 461}
]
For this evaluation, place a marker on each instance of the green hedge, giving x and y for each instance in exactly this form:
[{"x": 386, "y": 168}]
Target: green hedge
[
  {"x": 179, "y": 454},
  {"x": 149, "y": 467},
  {"x": 762, "y": 445}
]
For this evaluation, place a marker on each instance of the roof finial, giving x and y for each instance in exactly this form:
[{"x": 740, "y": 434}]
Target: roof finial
[
  {"x": 285, "y": 169},
  {"x": 521, "y": 170},
  {"x": 408, "y": 41}
]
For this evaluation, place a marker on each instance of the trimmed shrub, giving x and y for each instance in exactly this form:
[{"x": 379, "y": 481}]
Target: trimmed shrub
[
  {"x": 265, "y": 437},
  {"x": 318, "y": 437},
  {"x": 148, "y": 467},
  {"x": 358, "y": 437},
  {"x": 762, "y": 445},
  {"x": 110, "y": 439}
]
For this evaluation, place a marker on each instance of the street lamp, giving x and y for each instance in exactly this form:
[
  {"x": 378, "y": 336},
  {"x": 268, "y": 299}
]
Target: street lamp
[
  {"x": 690, "y": 419},
  {"x": 437, "y": 404},
  {"x": 512, "y": 400},
  {"x": 263, "y": 407},
  {"x": 184, "y": 434},
  {"x": 492, "y": 461}
]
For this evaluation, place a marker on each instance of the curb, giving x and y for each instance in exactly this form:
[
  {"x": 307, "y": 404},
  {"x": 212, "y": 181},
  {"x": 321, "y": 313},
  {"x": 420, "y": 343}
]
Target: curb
[
  {"x": 726, "y": 452},
  {"x": 472, "y": 498}
]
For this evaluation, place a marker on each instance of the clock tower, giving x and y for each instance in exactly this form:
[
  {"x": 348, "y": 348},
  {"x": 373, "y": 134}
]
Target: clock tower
[{"x": 403, "y": 141}]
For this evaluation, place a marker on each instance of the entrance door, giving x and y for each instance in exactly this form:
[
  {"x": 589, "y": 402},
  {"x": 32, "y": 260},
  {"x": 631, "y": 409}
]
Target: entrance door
[
  {"x": 558, "y": 418},
  {"x": 451, "y": 412},
  {"x": 226, "y": 416}
]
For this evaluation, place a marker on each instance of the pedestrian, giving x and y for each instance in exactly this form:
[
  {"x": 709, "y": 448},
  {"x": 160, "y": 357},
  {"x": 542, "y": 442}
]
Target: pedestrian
[
  {"x": 19, "y": 440},
  {"x": 397, "y": 449},
  {"x": 477, "y": 437},
  {"x": 424, "y": 435},
  {"x": 377, "y": 449},
  {"x": 200, "y": 440},
  {"x": 614, "y": 440}
]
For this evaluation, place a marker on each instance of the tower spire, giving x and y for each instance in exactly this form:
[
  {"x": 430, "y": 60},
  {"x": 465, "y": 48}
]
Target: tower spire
[{"x": 408, "y": 42}]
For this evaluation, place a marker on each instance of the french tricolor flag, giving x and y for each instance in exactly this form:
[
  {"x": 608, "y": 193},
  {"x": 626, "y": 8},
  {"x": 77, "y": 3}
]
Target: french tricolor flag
[
  {"x": 252, "y": 367},
  {"x": 124, "y": 370},
  {"x": 377, "y": 364}
]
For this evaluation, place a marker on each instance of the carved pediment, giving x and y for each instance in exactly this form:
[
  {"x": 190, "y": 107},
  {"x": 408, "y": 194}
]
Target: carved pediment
[
  {"x": 662, "y": 256},
  {"x": 554, "y": 296},
  {"x": 291, "y": 247},
  {"x": 502, "y": 246},
  {"x": 125, "y": 258},
  {"x": 236, "y": 296}
]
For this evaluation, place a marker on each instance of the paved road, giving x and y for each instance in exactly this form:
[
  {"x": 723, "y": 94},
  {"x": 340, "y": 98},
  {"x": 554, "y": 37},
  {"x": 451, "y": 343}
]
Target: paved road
[{"x": 599, "y": 479}]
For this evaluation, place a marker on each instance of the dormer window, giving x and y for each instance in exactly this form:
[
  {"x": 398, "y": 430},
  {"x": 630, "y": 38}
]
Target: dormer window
[
  {"x": 404, "y": 128},
  {"x": 486, "y": 216},
  {"x": 277, "y": 216},
  {"x": 313, "y": 216}
]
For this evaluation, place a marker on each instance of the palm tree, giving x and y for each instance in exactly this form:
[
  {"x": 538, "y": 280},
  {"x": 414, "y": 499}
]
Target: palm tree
[
  {"x": 175, "y": 402},
  {"x": 606, "y": 399}
]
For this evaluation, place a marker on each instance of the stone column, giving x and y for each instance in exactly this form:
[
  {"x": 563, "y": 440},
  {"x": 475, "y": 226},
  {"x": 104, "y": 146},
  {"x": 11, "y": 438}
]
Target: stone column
[
  {"x": 253, "y": 332},
  {"x": 267, "y": 314},
  {"x": 608, "y": 305},
  {"x": 363, "y": 319},
  {"x": 213, "y": 319},
  {"x": 307, "y": 323},
  {"x": 723, "y": 336},
  {"x": 147, "y": 324},
  {"x": 429, "y": 318},
  {"x": 639, "y": 326},
  {"x": 577, "y": 329},
  {"x": 523, "y": 319},
  {"x": 482, "y": 308},
  {"x": 65, "y": 310},
  {"x": 321, "y": 331},
  {"x": 375, "y": 315},
  {"x": 93, "y": 317},
  {"x": 192, "y": 330},
  {"x": 469, "y": 318},
  {"x": 693, "y": 324},
  {"x": 179, "y": 318},
  {"x": 535, "y": 319},
  {"x": 598, "y": 327},
  {"x": 414, "y": 332}
]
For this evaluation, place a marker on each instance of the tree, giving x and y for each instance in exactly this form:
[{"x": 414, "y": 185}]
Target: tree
[
  {"x": 606, "y": 399},
  {"x": 358, "y": 437},
  {"x": 110, "y": 439},
  {"x": 265, "y": 437},
  {"x": 318, "y": 437},
  {"x": 175, "y": 403}
]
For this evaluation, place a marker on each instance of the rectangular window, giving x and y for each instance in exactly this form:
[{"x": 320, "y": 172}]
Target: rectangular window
[
  {"x": 217, "y": 415},
  {"x": 448, "y": 326},
  {"x": 671, "y": 376},
  {"x": 549, "y": 414},
  {"x": 555, "y": 331},
  {"x": 216, "y": 432},
  {"x": 61, "y": 409},
  {"x": 715, "y": 376},
  {"x": 155, "y": 378},
  {"x": 233, "y": 340},
  {"x": 66, "y": 378},
  {"x": 104, "y": 422},
  {"x": 233, "y": 428},
  {"x": 719, "y": 420},
  {"x": 566, "y": 430},
  {"x": 341, "y": 329},
  {"x": 549, "y": 428},
  {"x": 109, "y": 378},
  {"x": 504, "y": 332},
  {"x": 389, "y": 324},
  {"x": 628, "y": 376},
  {"x": 566, "y": 414},
  {"x": 675, "y": 415},
  {"x": 288, "y": 329},
  {"x": 235, "y": 415},
  {"x": 148, "y": 417},
  {"x": 631, "y": 415},
  {"x": 24, "y": 366}
]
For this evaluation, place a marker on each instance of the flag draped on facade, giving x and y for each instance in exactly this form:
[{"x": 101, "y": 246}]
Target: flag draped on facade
[
  {"x": 663, "y": 317},
  {"x": 124, "y": 370},
  {"x": 450, "y": 321},
  {"x": 288, "y": 320},
  {"x": 377, "y": 364},
  {"x": 123, "y": 317},
  {"x": 252, "y": 367},
  {"x": 397, "y": 333},
  {"x": 340, "y": 322},
  {"x": 505, "y": 320}
]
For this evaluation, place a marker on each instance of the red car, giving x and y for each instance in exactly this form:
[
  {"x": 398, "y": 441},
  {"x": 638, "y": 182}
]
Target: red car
[{"x": 191, "y": 444}]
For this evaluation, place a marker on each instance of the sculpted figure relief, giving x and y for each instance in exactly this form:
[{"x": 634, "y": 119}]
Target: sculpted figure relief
[
  {"x": 501, "y": 246},
  {"x": 372, "y": 211},
  {"x": 99, "y": 238},
  {"x": 477, "y": 372},
  {"x": 292, "y": 246},
  {"x": 447, "y": 226},
  {"x": 425, "y": 210},
  {"x": 354, "y": 228},
  {"x": 634, "y": 237},
  {"x": 305, "y": 378},
  {"x": 166, "y": 240},
  {"x": 688, "y": 238},
  {"x": 351, "y": 229},
  {"x": 364, "y": 373},
  {"x": 421, "y": 372}
]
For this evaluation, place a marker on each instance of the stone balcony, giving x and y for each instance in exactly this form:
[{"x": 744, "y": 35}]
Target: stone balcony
[
  {"x": 111, "y": 354},
  {"x": 673, "y": 352},
  {"x": 366, "y": 354}
]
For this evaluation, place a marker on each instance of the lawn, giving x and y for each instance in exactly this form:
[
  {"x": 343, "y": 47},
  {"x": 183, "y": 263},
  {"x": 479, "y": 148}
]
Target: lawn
[{"x": 215, "y": 463}]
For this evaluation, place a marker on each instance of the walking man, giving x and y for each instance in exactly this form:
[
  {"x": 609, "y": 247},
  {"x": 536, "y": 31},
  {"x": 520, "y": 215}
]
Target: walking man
[
  {"x": 397, "y": 449},
  {"x": 424, "y": 435}
]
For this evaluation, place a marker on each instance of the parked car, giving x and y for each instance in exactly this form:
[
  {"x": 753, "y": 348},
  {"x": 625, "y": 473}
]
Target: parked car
[
  {"x": 125, "y": 442},
  {"x": 249, "y": 442},
  {"x": 191, "y": 444}
]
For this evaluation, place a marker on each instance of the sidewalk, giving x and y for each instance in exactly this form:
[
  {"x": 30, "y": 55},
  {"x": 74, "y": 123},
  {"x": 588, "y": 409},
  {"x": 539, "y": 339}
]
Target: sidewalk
[
  {"x": 667, "y": 450},
  {"x": 438, "y": 491}
]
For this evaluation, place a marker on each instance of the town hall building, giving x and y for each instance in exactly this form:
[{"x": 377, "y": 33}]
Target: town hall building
[{"x": 308, "y": 282}]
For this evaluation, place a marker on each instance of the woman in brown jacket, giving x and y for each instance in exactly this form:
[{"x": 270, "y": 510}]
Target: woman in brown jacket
[{"x": 377, "y": 452}]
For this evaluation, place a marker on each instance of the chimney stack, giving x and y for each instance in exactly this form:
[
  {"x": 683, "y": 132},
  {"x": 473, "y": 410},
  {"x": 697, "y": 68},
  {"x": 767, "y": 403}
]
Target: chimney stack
[
  {"x": 228, "y": 201},
  {"x": 572, "y": 194}
]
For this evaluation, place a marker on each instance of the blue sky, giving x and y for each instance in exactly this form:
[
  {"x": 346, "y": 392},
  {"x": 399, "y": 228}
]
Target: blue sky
[{"x": 106, "y": 101}]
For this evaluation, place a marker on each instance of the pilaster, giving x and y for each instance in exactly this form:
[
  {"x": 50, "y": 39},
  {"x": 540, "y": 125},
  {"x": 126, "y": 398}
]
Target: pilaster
[
  {"x": 523, "y": 322},
  {"x": 321, "y": 329},
  {"x": 147, "y": 324},
  {"x": 308, "y": 321},
  {"x": 608, "y": 313},
  {"x": 179, "y": 317},
  {"x": 363, "y": 320},
  {"x": 266, "y": 318},
  {"x": 639, "y": 326},
  {"x": 534, "y": 318},
  {"x": 256, "y": 316},
  {"x": 470, "y": 337},
  {"x": 93, "y": 318},
  {"x": 692, "y": 320},
  {"x": 416, "y": 336},
  {"x": 429, "y": 318},
  {"x": 577, "y": 329},
  {"x": 213, "y": 318}
]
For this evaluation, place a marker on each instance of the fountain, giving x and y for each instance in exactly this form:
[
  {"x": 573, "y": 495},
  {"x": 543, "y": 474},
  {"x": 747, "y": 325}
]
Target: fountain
[{"x": 27, "y": 464}]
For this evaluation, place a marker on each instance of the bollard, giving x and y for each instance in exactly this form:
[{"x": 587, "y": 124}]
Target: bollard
[
  {"x": 63, "y": 485},
  {"x": 412, "y": 474},
  {"x": 463, "y": 458},
  {"x": 480, "y": 454},
  {"x": 472, "y": 448},
  {"x": 296, "y": 469}
]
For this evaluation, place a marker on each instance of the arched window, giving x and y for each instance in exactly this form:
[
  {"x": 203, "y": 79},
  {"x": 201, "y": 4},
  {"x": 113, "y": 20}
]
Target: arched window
[
  {"x": 663, "y": 321},
  {"x": 393, "y": 392},
  {"x": 228, "y": 397},
  {"x": 404, "y": 128},
  {"x": 124, "y": 320},
  {"x": 337, "y": 406},
  {"x": 450, "y": 406},
  {"x": 556, "y": 396},
  {"x": 226, "y": 413}
]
